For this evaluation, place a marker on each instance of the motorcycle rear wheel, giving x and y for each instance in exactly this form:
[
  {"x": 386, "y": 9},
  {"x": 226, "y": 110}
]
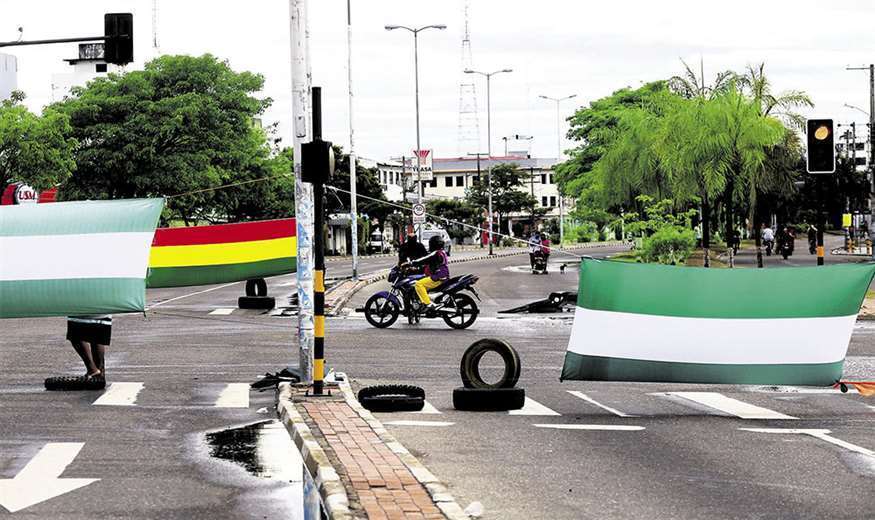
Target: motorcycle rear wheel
[{"x": 466, "y": 312}]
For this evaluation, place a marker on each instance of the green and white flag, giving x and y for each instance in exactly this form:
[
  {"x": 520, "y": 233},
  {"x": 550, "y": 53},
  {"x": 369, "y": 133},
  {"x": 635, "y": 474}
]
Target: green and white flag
[
  {"x": 645, "y": 322},
  {"x": 74, "y": 258}
]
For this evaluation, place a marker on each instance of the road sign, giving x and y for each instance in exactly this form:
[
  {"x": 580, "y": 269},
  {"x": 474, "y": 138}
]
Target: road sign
[
  {"x": 419, "y": 213},
  {"x": 426, "y": 168}
]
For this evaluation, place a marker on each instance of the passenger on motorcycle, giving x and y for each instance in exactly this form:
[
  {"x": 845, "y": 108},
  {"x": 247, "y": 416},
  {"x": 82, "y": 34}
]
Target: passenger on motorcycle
[{"x": 436, "y": 270}]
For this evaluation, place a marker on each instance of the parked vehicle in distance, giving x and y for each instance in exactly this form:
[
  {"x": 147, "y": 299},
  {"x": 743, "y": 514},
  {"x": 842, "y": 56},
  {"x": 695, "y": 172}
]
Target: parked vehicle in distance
[
  {"x": 378, "y": 243},
  {"x": 428, "y": 233}
]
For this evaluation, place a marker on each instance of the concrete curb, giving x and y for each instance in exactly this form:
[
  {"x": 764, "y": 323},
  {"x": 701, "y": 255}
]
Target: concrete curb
[
  {"x": 327, "y": 480},
  {"x": 436, "y": 489},
  {"x": 382, "y": 275}
]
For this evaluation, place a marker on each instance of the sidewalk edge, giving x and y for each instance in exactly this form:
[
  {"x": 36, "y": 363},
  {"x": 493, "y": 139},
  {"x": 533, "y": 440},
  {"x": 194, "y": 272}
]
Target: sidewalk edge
[
  {"x": 327, "y": 480},
  {"x": 436, "y": 489}
]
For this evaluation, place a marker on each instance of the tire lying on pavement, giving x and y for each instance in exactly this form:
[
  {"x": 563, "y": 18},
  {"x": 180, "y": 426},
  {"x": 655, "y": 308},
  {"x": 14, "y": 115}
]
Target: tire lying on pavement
[
  {"x": 469, "y": 368},
  {"x": 256, "y": 302},
  {"x": 488, "y": 399},
  {"x": 256, "y": 287},
  {"x": 392, "y": 398},
  {"x": 61, "y": 383}
]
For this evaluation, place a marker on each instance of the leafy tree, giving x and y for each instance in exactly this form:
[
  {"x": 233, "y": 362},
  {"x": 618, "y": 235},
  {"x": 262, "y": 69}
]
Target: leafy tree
[
  {"x": 456, "y": 211},
  {"x": 692, "y": 86},
  {"x": 782, "y": 106},
  {"x": 265, "y": 187},
  {"x": 507, "y": 197},
  {"x": 183, "y": 124},
  {"x": 35, "y": 150},
  {"x": 367, "y": 184}
]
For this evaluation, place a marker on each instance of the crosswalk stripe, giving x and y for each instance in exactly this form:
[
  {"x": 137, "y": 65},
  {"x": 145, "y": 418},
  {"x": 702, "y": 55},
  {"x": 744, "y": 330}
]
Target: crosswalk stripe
[
  {"x": 590, "y": 400},
  {"x": 532, "y": 407},
  {"x": 603, "y": 427},
  {"x": 418, "y": 423},
  {"x": 428, "y": 408},
  {"x": 222, "y": 311},
  {"x": 235, "y": 395},
  {"x": 728, "y": 405},
  {"x": 120, "y": 394}
]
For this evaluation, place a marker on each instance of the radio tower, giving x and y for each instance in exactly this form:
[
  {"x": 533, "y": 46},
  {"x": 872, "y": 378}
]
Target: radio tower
[
  {"x": 469, "y": 126},
  {"x": 155, "y": 28}
]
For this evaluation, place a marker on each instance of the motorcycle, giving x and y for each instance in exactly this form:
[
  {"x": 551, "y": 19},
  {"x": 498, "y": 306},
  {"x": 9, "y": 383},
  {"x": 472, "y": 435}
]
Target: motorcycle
[
  {"x": 768, "y": 245},
  {"x": 540, "y": 265},
  {"x": 457, "y": 309},
  {"x": 785, "y": 249}
]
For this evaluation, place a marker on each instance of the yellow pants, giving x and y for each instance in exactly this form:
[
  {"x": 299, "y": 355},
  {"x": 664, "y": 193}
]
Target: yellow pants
[{"x": 423, "y": 285}]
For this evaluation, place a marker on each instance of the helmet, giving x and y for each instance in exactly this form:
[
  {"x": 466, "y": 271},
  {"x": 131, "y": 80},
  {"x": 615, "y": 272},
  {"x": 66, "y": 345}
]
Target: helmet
[{"x": 436, "y": 242}]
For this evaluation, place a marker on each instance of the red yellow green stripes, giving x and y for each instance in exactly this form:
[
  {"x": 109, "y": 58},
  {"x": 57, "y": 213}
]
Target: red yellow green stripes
[{"x": 206, "y": 255}]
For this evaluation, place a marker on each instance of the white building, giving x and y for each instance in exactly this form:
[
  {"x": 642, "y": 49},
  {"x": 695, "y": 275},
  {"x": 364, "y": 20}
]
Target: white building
[
  {"x": 88, "y": 66},
  {"x": 8, "y": 75}
]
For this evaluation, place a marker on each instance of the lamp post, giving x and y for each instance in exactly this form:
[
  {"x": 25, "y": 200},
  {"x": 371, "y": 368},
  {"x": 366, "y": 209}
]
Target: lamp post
[
  {"x": 488, "y": 76},
  {"x": 871, "y": 69},
  {"x": 416, "y": 31},
  {"x": 558, "y": 160}
]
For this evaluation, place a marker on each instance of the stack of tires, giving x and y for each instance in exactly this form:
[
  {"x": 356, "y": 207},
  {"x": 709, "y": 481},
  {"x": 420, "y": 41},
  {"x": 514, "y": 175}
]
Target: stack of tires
[
  {"x": 256, "y": 296},
  {"x": 480, "y": 396}
]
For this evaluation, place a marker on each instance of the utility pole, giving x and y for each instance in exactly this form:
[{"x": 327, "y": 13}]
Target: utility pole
[
  {"x": 420, "y": 189},
  {"x": 480, "y": 179},
  {"x": 353, "y": 198},
  {"x": 301, "y": 118},
  {"x": 558, "y": 160},
  {"x": 871, "y": 69},
  {"x": 488, "y": 76}
]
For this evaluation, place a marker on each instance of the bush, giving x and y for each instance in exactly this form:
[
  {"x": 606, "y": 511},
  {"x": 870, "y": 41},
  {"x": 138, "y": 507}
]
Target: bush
[{"x": 668, "y": 245}]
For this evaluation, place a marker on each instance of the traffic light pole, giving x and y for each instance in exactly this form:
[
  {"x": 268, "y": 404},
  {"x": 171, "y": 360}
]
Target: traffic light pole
[
  {"x": 318, "y": 260},
  {"x": 871, "y": 69}
]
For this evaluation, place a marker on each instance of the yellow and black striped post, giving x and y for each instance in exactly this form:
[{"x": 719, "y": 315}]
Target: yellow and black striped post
[{"x": 318, "y": 258}]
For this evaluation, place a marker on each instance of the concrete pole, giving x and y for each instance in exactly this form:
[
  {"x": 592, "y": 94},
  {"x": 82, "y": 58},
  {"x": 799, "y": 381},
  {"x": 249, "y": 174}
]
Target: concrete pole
[
  {"x": 353, "y": 202},
  {"x": 489, "y": 155},
  {"x": 301, "y": 117},
  {"x": 420, "y": 189},
  {"x": 872, "y": 154},
  {"x": 558, "y": 192}
]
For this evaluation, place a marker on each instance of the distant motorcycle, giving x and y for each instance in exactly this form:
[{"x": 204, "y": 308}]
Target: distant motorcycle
[
  {"x": 540, "y": 263},
  {"x": 785, "y": 249},
  {"x": 457, "y": 309},
  {"x": 768, "y": 245}
]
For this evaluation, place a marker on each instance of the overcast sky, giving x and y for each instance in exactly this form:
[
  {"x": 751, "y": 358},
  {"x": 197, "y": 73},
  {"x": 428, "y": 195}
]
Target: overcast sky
[{"x": 555, "y": 47}]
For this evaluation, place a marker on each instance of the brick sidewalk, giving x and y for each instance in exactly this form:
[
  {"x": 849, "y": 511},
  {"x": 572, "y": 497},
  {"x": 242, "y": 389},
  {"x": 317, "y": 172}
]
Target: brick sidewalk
[{"x": 380, "y": 481}]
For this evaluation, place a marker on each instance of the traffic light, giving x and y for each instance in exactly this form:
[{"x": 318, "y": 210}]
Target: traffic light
[
  {"x": 317, "y": 161},
  {"x": 821, "y": 146},
  {"x": 118, "y": 28}
]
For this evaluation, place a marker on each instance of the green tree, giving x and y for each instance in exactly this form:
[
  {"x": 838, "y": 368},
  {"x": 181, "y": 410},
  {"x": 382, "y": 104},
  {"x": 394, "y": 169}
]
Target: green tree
[
  {"x": 35, "y": 150},
  {"x": 689, "y": 85},
  {"x": 452, "y": 212},
  {"x": 183, "y": 124},
  {"x": 508, "y": 193}
]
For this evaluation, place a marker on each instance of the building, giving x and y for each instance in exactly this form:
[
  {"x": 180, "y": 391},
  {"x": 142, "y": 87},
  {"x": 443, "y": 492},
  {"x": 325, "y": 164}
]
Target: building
[
  {"x": 858, "y": 151},
  {"x": 86, "y": 67},
  {"x": 8, "y": 75}
]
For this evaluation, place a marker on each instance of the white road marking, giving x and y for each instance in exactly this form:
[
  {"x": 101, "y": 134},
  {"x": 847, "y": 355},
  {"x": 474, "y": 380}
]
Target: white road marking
[
  {"x": 224, "y": 311},
  {"x": 120, "y": 394},
  {"x": 38, "y": 481},
  {"x": 728, "y": 405},
  {"x": 601, "y": 427},
  {"x": 418, "y": 423},
  {"x": 235, "y": 395},
  {"x": 589, "y": 399},
  {"x": 191, "y": 294},
  {"x": 821, "y": 434},
  {"x": 428, "y": 408},
  {"x": 532, "y": 407}
]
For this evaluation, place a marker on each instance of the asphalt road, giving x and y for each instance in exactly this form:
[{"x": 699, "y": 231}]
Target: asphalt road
[{"x": 194, "y": 350}]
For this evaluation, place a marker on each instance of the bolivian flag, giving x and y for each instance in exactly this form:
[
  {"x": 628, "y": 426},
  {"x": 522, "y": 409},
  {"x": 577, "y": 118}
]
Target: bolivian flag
[
  {"x": 75, "y": 258},
  {"x": 205, "y": 255},
  {"x": 781, "y": 326}
]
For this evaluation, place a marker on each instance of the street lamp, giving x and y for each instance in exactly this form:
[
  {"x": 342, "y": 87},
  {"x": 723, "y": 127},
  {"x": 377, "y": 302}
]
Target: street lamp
[
  {"x": 416, "y": 32},
  {"x": 488, "y": 76},
  {"x": 558, "y": 160}
]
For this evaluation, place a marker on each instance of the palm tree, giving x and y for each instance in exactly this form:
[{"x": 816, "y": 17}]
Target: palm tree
[
  {"x": 691, "y": 86},
  {"x": 782, "y": 106}
]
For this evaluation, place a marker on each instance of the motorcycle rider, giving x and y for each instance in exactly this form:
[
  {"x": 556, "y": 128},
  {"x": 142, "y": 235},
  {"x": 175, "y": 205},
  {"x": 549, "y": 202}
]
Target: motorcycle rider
[
  {"x": 812, "y": 239},
  {"x": 534, "y": 247},
  {"x": 436, "y": 271},
  {"x": 786, "y": 240},
  {"x": 768, "y": 237},
  {"x": 411, "y": 249}
]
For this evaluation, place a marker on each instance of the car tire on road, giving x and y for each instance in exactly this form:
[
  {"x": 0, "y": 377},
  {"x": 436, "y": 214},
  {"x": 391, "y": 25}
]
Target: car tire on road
[
  {"x": 469, "y": 368},
  {"x": 488, "y": 399},
  {"x": 392, "y": 398},
  {"x": 256, "y": 287},
  {"x": 256, "y": 302}
]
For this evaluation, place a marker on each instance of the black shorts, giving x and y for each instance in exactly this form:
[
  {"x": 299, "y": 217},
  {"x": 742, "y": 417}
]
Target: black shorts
[{"x": 95, "y": 333}]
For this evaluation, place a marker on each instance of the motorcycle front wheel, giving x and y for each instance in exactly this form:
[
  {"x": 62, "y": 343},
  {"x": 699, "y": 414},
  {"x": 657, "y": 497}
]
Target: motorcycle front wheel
[
  {"x": 465, "y": 311},
  {"x": 380, "y": 311}
]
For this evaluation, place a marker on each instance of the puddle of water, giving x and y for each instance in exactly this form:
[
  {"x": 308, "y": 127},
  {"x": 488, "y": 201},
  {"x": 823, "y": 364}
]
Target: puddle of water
[{"x": 264, "y": 449}]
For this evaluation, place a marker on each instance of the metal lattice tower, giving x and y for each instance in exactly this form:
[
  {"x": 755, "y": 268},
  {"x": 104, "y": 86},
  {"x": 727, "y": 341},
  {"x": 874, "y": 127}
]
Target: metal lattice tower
[
  {"x": 155, "y": 27},
  {"x": 469, "y": 125}
]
